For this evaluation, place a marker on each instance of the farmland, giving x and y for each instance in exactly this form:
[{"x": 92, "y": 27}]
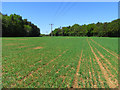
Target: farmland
[{"x": 59, "y": 62}]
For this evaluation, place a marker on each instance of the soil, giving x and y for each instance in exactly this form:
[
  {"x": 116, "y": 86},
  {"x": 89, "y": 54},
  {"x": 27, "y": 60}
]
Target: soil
[
  {"x": 110, "y": 83},
  {"x": 76, "y": 75},
  {"x": 112, "y": 53},
  {"x": 38, "y": 48}
]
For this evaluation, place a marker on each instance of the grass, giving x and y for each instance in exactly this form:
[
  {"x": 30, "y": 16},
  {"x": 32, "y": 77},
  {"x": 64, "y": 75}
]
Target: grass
[{"x": 58, "y": 62}]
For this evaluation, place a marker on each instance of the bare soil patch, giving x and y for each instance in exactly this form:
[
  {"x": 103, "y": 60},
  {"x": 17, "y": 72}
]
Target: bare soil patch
[
  {"x": 60, "y": 55},
  {"x": 58, "y": 71},
  {"x": 13, "y": 44},
  {"x": 38, "y": 48},
  {"x": 10, "y": 44},
  {"x": 66, "y": 66}
]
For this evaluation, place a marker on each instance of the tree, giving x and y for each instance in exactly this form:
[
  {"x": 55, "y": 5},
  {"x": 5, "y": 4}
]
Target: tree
[
  {"x": 106, "y": 29},
  {"x": 15, "y": 26}
]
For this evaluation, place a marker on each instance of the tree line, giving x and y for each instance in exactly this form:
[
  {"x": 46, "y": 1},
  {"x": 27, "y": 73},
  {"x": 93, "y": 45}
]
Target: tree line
[
  {"x": 107, "y": 29},
  {"x": 15, "y": 26}
]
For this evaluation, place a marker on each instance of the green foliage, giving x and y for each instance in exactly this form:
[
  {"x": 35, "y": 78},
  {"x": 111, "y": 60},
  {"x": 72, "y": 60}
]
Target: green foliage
[
  {"x": 15, "y": 26},
  {"x": 42, "y": 35},
  {"x": 28, "y": 29},
  {"x": 99, "y": 29}
]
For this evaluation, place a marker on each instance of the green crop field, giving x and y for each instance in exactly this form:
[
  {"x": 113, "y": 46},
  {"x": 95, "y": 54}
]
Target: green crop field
[{"x": 59, "y": 62}]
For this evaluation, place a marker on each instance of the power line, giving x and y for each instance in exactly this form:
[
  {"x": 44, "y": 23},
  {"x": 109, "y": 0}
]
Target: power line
[
  {"x": 65, "y": 7},
  {"x": 60, "y": 9},
  {"x": 70, "y": 6}
]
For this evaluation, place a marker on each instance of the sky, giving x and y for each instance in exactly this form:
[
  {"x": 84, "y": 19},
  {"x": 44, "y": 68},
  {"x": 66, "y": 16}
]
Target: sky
[
  {"x": 62, "y": 13},
  {"x": 60, "y": 0}
]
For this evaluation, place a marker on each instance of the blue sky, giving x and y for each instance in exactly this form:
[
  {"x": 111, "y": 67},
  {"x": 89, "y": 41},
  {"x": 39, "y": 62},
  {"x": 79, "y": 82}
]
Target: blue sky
[{"x": 62, "y": 13}]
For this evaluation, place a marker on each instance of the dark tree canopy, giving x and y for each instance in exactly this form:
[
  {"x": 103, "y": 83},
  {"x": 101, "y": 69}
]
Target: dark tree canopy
[
  {"x": 106, "y": 29},
  {"x": 15, "y": 26}
]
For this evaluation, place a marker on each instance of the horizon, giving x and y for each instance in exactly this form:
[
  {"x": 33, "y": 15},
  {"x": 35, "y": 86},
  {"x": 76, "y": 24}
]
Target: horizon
[
  {"x": 69, "y": 14},
  {"x": 68, "y": 25}
]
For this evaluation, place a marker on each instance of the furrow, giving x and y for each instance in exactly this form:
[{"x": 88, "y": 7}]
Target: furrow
[
  {"x": 109, "y": 82},
  {"x": 75, "y": 85},
  {"x": 27, "y": 76},
  {"x": 105, "y": 59},
  {"x": 106, "y": 49}
]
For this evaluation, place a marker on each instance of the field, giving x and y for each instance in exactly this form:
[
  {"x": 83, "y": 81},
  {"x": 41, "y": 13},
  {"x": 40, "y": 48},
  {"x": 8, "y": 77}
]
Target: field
[{"x": 59, "y": 62}]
